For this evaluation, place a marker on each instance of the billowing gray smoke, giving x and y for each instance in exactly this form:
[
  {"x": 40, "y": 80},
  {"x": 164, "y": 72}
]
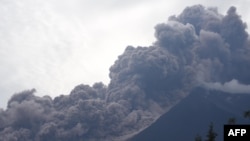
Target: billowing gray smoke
[{"x": 200, "y": 46}]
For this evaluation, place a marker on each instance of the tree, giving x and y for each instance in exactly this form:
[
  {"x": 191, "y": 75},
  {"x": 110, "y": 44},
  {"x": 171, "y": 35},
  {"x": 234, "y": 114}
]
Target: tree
[
  {"x": 231, "y": 120},
  {"x": 247, "y": 114},
  {"x": 198, "y": 138},
  {"x": 211, "y": 135}
]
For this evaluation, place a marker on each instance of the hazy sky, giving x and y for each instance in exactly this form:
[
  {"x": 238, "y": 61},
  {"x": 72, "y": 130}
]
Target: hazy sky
[{"x": 55, "y": 45}]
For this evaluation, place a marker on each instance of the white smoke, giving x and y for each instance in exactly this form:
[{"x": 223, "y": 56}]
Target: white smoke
[{"x": 232, "y": 86}]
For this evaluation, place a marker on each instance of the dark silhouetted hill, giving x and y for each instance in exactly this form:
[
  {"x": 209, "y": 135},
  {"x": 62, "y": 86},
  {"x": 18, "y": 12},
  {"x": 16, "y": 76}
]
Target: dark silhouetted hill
[{"x": 193, "y": 115}]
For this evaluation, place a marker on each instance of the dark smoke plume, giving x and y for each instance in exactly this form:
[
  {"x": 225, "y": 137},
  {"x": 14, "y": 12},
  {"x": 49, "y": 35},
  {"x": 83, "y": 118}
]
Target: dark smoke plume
[{"x": 197, "y": 47}]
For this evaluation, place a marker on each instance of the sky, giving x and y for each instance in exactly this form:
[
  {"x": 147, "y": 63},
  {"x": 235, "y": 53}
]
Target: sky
[{"x": 54, "y": 45}]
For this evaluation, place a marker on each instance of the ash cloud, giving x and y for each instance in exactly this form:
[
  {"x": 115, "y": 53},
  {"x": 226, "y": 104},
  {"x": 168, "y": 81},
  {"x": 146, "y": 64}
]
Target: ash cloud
[{"x": 199, "y": 46}]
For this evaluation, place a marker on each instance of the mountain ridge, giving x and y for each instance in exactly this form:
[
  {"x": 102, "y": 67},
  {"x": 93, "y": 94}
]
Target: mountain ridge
[{"x": 193, "y": 115}]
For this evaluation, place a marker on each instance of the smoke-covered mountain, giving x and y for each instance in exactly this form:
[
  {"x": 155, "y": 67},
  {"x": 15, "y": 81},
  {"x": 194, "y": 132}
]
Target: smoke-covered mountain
[
  {"x": 193, "y": 115},
  {"x": 199, "y": 47}
]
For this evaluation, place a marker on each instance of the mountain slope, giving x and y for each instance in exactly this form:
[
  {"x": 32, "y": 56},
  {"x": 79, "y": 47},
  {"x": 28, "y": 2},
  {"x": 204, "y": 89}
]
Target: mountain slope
[{"x": 193, "y": 115}]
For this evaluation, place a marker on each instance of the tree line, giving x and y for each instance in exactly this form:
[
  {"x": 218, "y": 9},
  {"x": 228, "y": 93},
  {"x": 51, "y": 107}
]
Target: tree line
[{"x": 211, "y": 134}]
